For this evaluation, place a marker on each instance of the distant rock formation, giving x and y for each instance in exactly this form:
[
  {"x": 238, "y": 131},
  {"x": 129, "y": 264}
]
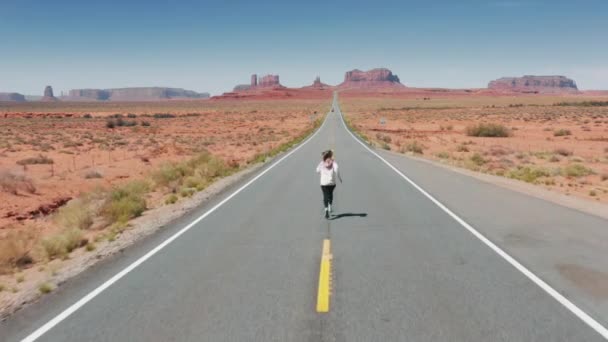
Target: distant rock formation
[
  {"x": 134, "y": 94},
  {"x": 534, "y": 84},
  {"x": 12, "y": 97},
  {"x": 48, "y": 94},
  {"x": 268, "y": 81},
  {"x": 317, "y": 84},
  {"x": 375, "y": 78}
]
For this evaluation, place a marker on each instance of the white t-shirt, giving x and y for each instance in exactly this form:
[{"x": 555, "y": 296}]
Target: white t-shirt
[{"x": 328, "y": 176}]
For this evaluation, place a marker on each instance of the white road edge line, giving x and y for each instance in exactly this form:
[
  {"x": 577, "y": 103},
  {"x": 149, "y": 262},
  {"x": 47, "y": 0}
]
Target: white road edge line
[
  {"x": 84, "y": 300},
  {"x": 543, "y": 285}
]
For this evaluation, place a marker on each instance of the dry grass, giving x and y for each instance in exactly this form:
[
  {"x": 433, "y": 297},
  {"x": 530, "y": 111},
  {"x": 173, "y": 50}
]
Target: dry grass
[
  {"x": 16, "y": 249},
  {"x": 15, "y": 183},
  {"x": 76, "y": 214}
]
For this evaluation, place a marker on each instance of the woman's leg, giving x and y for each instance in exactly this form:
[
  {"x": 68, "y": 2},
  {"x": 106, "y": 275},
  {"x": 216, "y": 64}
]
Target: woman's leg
[
  {"x": 325, "y": 190},
  {"x": 330, "y": 196}
]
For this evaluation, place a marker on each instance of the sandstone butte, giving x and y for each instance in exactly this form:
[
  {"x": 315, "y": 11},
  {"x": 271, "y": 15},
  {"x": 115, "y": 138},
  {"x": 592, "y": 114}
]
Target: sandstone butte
[
  {"x": 48, "y": 95},
  {"x": 375, "y": 78},
  {"x": 534, "y": 84}
]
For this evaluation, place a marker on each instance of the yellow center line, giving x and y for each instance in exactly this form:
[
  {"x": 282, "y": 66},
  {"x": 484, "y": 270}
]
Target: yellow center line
[{"x": 324, "y": 278}]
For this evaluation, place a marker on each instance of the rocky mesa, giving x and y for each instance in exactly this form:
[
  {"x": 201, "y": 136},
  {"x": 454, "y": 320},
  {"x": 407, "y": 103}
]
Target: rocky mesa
[
  {"x": 268, "y": 81},
  {"x": 134, "y": 94},
  {"x": 375, "y": 78},
  {"x": 534, "y": 84},
  {"x": 16, "y": 97}
]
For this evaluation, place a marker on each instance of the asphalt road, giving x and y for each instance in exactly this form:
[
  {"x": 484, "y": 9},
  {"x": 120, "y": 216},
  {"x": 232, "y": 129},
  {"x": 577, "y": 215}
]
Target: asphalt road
[{"x": 403, "y": 268}]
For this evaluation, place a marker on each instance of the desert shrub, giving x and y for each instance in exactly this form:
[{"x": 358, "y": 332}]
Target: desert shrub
[
  {"x": 462, "y": 148},
  {"x": 592, "y": 193},
  {"x": 443, "y": 155},
  {"x": 386, "y": 146},
  {"x": 576, "y": 170},
  {"x": 562, "y": 132},
  {"x": 187, "y": 192},
  {"x": 45, "y": 288},
  {"x": 414, "y": 147},
  {"x": 145, "y": 123},
  {"x": 131, "y": 116},
  {"x": 171, "y": 199},
  {"x": 554, "y": 159},
  {"x": 604, "y": 177},
  {"x": 14, "y": 183},
  {"x": 110, "y": 124},
  {"x": 488, "y": 130},
  {"x": 477, "y": 159},
  {"x": 15, "y": 249},
  {"x": 87, "y": 116},
  {"x": 75, "y": 214},
  {"x": 93, "y": 174},
  {"x": 583, "y": 104},
  {"x": 563, "y": 152},
  {"x": 40, "y": 159},
  {"x": 528, "y": 174},
  {"x": 163, "y": 116},
  {"x": 63, "y": 242},
  {"x": 126, "y": 202}
]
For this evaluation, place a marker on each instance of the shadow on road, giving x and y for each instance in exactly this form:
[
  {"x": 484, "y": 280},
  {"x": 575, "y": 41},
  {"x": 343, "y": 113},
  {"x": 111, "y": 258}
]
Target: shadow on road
[{"x": 335, "y": 217}]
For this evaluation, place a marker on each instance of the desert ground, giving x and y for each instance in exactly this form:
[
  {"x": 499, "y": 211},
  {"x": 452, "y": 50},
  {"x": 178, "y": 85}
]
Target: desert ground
[
  {"x": 68, "y": 171},
  {"x": 557, "y": 142}
]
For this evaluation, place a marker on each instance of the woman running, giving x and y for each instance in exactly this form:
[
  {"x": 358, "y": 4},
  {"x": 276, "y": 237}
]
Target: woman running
[{"x": 328, "y": 169}]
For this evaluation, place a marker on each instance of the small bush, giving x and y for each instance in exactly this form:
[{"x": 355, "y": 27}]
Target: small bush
[
  {"x": 87, "y": 116},
  {"x": 386, "y": 146},
  {"x": 131, "y": 116},
  {"x": 90, "y": 247},
  {"x": 562, "y": 132},
  {"x": 14, "y": 183},
  {"x": 604, "y": 177},
  {"x": 477, "y": 159},
  {"x": 592, "y": 193},
  {"x": 443, "y": 155},
  {"x": 528, "y": 174},
  {"x": 62, "y": 243},
  {"x": 93, "y": 174},
  {"x": 163, "y": 116},
  {"x": 414, "y": 147},
  {"x": 15, "y": 249},
  {"x": 126, "y": 202},
  {"x": 187, "y": 192},
  {"x": 40, "y": 159},
  {"x": 75, "y": 214},
  {"x": 576, "y": 170},
  {"x": 45, "y": 288},
  {"x": 145, "y": 123},
  {"x": 488, "y": 130},
  {"x": 462, "y": 148},
  {"x": 171, "y": 199},
  {"x": 563, "y": 152}
]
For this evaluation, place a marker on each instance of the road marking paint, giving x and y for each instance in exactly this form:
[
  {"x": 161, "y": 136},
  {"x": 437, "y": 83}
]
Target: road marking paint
[
  {"x": 80, "y": 303},
  {"x": 324, "y": 291},
  {"x": 590, "y": 321}
]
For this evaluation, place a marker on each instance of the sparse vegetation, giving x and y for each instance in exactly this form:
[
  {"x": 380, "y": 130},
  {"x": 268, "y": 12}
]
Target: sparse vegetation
[
  {"x": 15, "y": 183},
  {"x": 576, "y": 170},
  {"x": 45, "y": 288},
  {"x": 126, "y": 202},
  {"x": 40, "y": 159},
  {"x": 562, "y": 132},
  {"x": 414, "y": 147},
  {"x": 75, "y": 215},
  {"x": 62, "y": 243},
  {"x": 528, "y": 174},
  {"x": 488, "y": 130}
]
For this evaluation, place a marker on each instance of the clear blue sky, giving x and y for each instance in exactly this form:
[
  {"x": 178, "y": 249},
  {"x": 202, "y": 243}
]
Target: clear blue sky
[{"x": 213, "y": 45}]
